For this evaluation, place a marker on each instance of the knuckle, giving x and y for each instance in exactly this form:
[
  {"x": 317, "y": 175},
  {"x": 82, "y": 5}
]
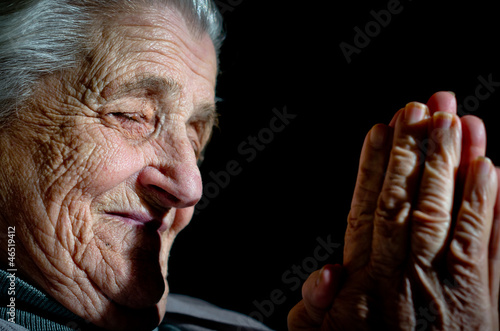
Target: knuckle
[
  {"x": 446, "y": 144},
  {"x": 373, "y": 163},
  {"x": 404, "y": 159},
  {"x": 478, "y": 200},
  {"x": 467, "y": 246},
  {"x": 427, "y": 236},
  {"x": 442, "y": 136},
  {"x": 365, "y": 197},
  {"x": 366, "y": 171},
  {"x": 359, "y": 221},
  {"x": 430, "y": 226},
  {"x": 433, "y": 206},
  {"x": 392, "y": 201},
  {"x": 410, "y": 141},
  {"x": 443, "y": 160},
  {"x": 436, "y": 192},
  {"x": 472, "y": 218},
  {"x": 390, "y": 224}
]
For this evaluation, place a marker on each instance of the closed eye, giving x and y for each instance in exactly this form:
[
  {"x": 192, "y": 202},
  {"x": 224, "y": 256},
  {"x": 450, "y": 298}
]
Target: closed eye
[
  {"x": 136, "y": 117},
  {"x": 132, "y": 124}
]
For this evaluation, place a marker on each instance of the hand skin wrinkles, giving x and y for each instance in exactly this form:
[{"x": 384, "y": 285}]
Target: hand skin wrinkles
[{"x": 427, "y": 265}]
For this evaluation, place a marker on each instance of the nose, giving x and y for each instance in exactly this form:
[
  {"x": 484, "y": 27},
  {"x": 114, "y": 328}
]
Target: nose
[{"x": 175, "y": 185}]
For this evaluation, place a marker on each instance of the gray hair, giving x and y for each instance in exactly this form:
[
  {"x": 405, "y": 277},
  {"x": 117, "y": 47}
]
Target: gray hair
[{"x": 40, "y": 37}]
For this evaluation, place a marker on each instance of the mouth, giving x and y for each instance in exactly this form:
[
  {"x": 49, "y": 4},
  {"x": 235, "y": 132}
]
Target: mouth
[{"x": 141, "y": 219}]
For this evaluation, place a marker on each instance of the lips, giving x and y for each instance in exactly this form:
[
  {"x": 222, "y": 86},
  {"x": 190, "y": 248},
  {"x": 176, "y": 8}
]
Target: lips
[{"x": 141, "y": 219}]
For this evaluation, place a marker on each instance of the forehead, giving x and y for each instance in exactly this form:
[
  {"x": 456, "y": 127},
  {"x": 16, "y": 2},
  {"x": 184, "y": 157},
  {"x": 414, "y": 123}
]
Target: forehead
[{"x": 154, "y": 43}]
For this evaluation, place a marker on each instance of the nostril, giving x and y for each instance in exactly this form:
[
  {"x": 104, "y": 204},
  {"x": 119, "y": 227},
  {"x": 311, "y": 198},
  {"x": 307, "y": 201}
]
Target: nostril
[
  {"x": 178, "y": 187},
  {"x": 165, "y": 195}
]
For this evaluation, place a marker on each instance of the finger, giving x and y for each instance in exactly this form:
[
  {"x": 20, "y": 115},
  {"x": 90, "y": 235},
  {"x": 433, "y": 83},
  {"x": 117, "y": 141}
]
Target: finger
[
  {"x": 494, "y": 250},
  {"x": 473, "y": 143},
  {"x": 468, "y": 256},
  {"x": 394, "y": 120},
  {"x": 439, "y": 101},
  {"x": 372, "y": 166},
  {"x": 442, "y": 101},
  {"x": 390, "y": 234},
  {"x": 318, "y": 294},
  {"x": 320, "y": 290},
  {"x": 431, "y": 219}
]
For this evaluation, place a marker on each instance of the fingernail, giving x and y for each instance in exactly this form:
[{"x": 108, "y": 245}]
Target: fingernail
[
  {"x": 442, "y": 120},
  {"x": 483, "y": 165},
  {"x": 452, "y": 93},
  {"x": 378, "y": 136},
  {"x": 320, "y": 276},
  {"x": 415, "y": 112}
]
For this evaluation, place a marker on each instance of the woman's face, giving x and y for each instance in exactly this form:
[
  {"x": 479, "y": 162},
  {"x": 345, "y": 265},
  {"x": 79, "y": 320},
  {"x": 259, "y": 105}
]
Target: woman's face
[{"x": 99, "y": 174}]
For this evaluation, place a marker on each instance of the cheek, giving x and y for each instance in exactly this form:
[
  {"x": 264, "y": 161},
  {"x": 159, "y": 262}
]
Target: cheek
[
  {"x": 114, "y": 167},
  {"x": 105, "y": 164},
  {"x": 89, "y": 164},
  {"x": 72, "y": 177}
]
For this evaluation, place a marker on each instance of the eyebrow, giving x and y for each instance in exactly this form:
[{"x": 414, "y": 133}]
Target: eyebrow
[
  {"x": 152, "y": 84},
  {"x": 206, "y": 112}
]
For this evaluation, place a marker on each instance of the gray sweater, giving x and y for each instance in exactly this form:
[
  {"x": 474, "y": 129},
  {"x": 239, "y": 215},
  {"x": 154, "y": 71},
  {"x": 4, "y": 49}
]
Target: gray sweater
[{"x": 31, "y": 309}]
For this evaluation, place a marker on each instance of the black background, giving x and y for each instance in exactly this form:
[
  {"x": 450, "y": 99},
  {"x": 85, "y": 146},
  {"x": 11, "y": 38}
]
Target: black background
[{"x": 286, "y": 55}]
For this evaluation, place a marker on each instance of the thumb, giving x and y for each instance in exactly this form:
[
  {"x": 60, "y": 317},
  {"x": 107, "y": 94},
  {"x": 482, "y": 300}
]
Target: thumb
[{"x": 318, "y": 293}]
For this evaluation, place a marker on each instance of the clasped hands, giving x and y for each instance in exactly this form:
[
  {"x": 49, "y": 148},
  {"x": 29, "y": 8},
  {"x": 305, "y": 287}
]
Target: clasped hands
[{"x": 423, "y": 235}]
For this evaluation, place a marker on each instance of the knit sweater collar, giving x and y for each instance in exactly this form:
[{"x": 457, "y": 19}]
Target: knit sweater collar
[{"x": 34, "y": 309}]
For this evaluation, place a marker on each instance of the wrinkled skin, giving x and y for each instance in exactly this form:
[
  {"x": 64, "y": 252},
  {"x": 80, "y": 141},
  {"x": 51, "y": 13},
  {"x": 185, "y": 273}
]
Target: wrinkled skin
[
  {"x": 421, "y": 246},
  {"x": 99, "y": 171}
]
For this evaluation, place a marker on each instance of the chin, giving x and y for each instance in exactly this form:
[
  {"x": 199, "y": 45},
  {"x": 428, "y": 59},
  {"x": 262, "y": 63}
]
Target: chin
[
  {"x": 140, "y": 289},
  {"x": 131, "y": 269},
  {"x": 128, "y": 318},
  {"x": 135, "y": 297}
]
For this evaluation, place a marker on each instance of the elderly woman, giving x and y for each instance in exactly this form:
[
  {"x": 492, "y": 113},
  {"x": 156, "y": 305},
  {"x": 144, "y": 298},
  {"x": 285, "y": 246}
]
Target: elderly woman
[{"x": 105, "y": 108}]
